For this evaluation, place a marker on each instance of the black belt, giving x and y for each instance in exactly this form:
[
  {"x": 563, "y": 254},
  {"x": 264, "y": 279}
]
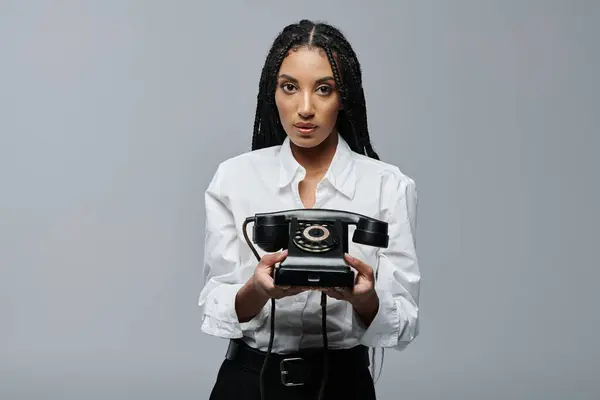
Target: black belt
[{"x": 298, "y": 368}]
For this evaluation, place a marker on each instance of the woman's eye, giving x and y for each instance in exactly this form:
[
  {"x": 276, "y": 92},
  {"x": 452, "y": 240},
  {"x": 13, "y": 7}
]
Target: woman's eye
[
  {"x": 325, "y": 89},
  {"x": 288, "y": 87}
]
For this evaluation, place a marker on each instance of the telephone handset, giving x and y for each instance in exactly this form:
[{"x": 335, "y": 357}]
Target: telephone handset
[{"x": 316, "y": 240}]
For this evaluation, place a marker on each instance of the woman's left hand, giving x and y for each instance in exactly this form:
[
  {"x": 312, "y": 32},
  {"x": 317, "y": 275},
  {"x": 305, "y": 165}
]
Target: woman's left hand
[{"x": 363, "y": 295}]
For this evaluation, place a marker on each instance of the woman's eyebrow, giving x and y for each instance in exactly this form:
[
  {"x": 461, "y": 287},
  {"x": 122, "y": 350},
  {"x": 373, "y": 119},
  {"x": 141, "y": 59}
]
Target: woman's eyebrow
[{"x": 292, "y": 79}]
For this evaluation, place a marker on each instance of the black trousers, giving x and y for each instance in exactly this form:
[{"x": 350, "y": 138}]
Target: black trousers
[{"x": 346, "y": 379}]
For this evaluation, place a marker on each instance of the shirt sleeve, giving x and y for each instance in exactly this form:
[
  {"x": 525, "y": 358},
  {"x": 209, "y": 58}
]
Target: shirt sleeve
[
  {"x": 397, "y": 283},
  {"x": 224, "y": 273}
]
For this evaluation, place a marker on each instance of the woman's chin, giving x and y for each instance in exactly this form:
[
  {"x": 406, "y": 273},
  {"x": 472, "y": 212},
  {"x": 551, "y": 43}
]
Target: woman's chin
[{"x": 307, "y": 140}]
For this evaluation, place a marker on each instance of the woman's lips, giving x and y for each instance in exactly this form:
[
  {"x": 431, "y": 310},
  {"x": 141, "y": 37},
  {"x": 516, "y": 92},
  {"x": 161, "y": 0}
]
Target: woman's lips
[{"x": 305, "y": 129}]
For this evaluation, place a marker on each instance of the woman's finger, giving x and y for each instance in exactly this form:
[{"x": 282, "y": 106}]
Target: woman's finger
[
  {"x": 359, "y": 265},
  {"x": 331, "y": 292}
]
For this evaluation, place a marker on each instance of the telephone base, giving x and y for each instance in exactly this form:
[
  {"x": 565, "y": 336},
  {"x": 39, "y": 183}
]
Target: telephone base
[{"x": 313, "y": 276}]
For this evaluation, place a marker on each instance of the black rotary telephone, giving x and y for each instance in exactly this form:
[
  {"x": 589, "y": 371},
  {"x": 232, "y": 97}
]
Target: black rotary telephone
[{"x": 316, "y": 240}]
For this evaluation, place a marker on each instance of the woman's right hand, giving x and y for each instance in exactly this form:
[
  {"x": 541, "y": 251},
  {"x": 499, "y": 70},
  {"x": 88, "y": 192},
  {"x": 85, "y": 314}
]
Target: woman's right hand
[{"x": 263, "y": 277}]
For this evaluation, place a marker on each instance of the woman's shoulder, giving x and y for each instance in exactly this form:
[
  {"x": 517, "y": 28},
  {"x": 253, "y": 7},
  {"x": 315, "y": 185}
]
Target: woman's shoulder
[
  {"x": 367, "y": 167},
  {"x": 245, "y": 165},
  {"x": 266, "y": 155}
]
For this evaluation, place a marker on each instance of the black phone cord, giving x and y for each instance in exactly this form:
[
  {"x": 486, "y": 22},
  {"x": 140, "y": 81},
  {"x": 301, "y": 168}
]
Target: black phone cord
[{"x": 272, "y": 332}]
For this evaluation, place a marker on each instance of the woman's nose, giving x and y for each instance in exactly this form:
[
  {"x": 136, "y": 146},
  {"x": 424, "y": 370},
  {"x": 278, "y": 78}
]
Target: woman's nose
[{"x": 306, "y": 108}]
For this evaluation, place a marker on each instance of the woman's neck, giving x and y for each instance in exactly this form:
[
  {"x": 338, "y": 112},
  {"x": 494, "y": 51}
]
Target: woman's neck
[{"x": 316, "y": 160}]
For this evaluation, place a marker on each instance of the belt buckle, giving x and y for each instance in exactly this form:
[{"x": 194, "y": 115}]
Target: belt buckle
[{"x": 285, "y": 372}]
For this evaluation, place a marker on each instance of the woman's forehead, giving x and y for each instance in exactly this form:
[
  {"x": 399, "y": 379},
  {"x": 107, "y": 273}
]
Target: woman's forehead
[{"x": 306, "y": 63}]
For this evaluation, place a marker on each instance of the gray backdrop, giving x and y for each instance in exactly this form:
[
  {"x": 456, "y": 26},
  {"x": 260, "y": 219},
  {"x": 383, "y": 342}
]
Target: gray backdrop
[{"x": 114, "y": 115}]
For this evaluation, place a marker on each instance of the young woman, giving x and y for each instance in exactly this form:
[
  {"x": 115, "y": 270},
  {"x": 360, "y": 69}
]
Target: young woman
[{"x": 310, "y": 149}]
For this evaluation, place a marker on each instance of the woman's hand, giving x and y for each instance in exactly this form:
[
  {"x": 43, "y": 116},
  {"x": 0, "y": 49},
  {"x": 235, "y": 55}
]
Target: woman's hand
[
  {"x": 363, "y": 297},
  {"x": 263, "y": 278}
]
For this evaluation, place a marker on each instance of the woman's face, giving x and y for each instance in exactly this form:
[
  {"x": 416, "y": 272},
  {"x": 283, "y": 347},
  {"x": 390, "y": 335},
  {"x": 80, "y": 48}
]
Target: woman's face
[{"x": 306, "y": 97}]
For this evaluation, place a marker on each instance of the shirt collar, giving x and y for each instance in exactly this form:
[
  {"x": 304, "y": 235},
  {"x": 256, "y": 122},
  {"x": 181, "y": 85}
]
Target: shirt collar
[{"x": 340, "y": 174}]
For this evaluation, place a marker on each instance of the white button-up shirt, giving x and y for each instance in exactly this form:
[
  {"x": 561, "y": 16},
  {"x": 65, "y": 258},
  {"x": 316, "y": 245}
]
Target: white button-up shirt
[{"x": 267, "y": 180}]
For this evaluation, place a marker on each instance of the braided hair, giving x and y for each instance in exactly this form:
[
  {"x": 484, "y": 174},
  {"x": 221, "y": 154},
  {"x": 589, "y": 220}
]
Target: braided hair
[{"x": 352, "y": 118}]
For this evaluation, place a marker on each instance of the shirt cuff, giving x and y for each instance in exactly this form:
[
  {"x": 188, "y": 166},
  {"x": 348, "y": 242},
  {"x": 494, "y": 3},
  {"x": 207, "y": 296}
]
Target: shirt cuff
[
  {"x": 220, "y": 317},
  {"x": 384, "y": 330}
]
